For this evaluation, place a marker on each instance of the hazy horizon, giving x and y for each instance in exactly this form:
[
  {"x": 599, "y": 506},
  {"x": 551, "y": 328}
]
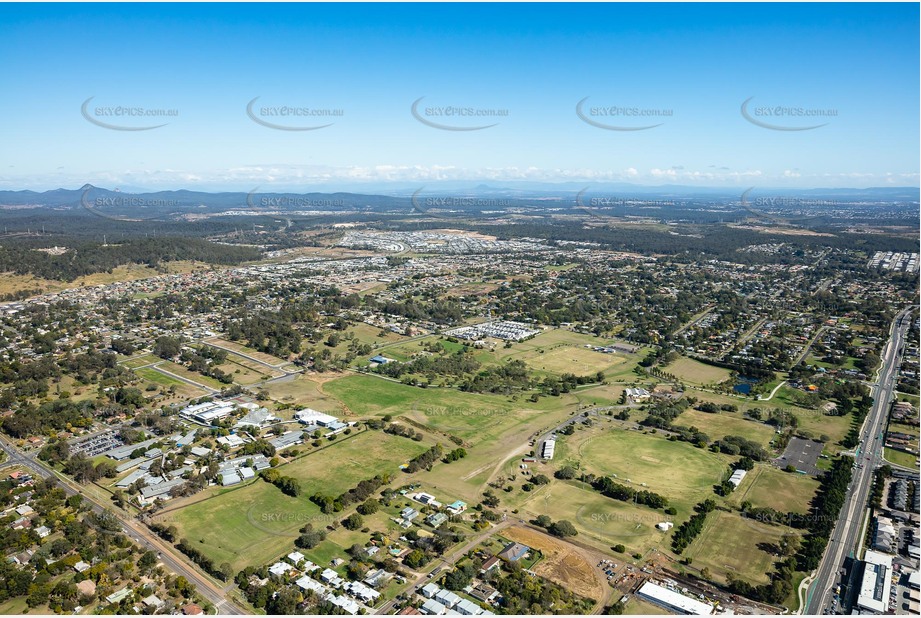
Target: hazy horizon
[{"x": 300, "y": 97}]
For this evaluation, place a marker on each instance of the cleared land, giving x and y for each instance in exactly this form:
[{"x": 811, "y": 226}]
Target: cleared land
[
  {"x": 183, "y": 389},
  {"x": 726, "y": 424},
  {"x": 601, "y": 521},
  {"x": 561, "y": 562},
  {"x": 730, "y": 543},
  {"x": 694, "y": 372},
  {"x": 766, "y": 486},
  {"x": 678, "y": 470}
]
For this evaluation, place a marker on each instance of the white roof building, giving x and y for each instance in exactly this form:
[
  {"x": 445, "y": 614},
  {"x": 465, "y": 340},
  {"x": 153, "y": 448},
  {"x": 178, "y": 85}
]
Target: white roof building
[
  {"x": 548, "y": 449},
  {"x": 673, "y": 601},
  {"x": 876, "y": 582},
  {"x": 737, "y": 476}
]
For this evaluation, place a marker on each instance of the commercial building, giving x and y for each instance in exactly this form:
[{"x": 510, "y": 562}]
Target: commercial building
[
  {"x": 875, "y": 583},
  {"x": 209, "y": 411},
  {"x": 549, "y": 446},
  {"x": 672, "y": 600}
]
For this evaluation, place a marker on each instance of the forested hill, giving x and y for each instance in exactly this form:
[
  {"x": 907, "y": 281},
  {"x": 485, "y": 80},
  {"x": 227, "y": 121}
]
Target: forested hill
[{"x": 86, "y": 257}]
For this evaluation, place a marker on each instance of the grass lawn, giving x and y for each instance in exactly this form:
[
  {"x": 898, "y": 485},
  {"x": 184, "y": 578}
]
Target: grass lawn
[
  {"x": 817, "y": 423},
  {"x": 637, "y": 607},
  {"x": 766, "y": 486},
  {"x": 183, "y": 389},
  {"x": 726, "y": 424},
  {"x": 730, "y": 543},
  {"x": 602, "y": 521},
  {"x": 303, "y": 390},
  {"x": 140, "y": 361},
  {"x": 695, "y": 372},
  {"x": 244, "y": 526},
  {"x": 680, "y": 471},
  {"x": 186, "y": 373},
  {"x": 900, "y": 458},
  {"x": 256, "y": 523},
  {"x": 578, "y": 360}
]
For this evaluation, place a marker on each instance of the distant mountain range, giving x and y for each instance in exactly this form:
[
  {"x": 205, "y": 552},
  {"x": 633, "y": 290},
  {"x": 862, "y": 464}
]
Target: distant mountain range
[{"x": 404, "y": 198}]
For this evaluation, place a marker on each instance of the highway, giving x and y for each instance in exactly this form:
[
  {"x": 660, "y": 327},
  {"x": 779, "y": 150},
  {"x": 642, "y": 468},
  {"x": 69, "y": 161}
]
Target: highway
[
  {"x": 845, "y": 539},
  {"x": 168, "y": 555}
]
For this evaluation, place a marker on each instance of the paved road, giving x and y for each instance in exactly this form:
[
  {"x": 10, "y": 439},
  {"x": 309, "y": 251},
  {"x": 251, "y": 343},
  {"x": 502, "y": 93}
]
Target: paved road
[
  {"x": 169, "y": 556},
  {"x": 846, "y": 536}
]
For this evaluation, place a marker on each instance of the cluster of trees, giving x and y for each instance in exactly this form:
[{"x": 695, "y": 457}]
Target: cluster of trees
[
  {"x": 607, "y": 487},
  {"x": 503, "y": 379},
  {"x": 662, "y": 413},
  {"x": 363, "y": 490},
  {"x": 310, "y": 537},
  {"x": 397, "y": 430},
  {"x": 555, "y": 386},
  {"x": 425, "y": 460},
  {"x": 525, "y": 594},
  {"x": 689, "y": 434},
  {"x": 458, "y": 453},
  {"x": 86, "y": 258},
  {"x": 562, "y": 528},
  {"x": 713, "y": 408},
  {"x": 59, "y": 415},
  {"x": 737, "y": 445},
  {"x": 359, "y": 493},
  {"x": 288, "y": 485},
  {"x": 259, "y": 445},
  {"x": 224, "y": 572},
  {"x": 688, "y": 531},
  {"x": 272, "y": 331},
  {"x": 205, "y": 360},
  {"x": 457, "y": 364},
  {"x": 825, "y": 508}
]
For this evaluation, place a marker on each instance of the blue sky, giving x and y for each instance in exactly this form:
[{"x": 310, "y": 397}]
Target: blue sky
[{"x": 854, "y": 67}]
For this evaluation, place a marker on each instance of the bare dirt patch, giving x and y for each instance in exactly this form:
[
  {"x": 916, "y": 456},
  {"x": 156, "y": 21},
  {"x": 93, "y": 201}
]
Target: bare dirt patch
[{"x": 562, "y": 563}]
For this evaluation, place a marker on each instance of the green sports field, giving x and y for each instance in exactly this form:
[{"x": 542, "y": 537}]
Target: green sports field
[{"x": 256, "y": 523}]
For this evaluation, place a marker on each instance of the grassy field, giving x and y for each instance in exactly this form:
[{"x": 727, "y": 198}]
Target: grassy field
[
  {"x": 900, "y": 458},
  {"x": 694, "y": 372},
  {"x": 730, "y": 543},
  {"x": 494, "y": 428},
  {"x": 188, "y": 374},
  {"x": 244, "y": 526},
  {"x": 256, "y": 523},
  {"x": 140, "y": 361},
  {"x": 766, "y": 486},
  {"x": 183, "y": 389},
  {"x": 303, "y": 390},
  {"x": 726, "y": 424},
  {"x": 638, "y": 607},
  {"x": 600, "y": 520},
  {"x": 239, "y": 347},
  {"x": 577, "y": 360},
  {"x": 683, "y": 473}
]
